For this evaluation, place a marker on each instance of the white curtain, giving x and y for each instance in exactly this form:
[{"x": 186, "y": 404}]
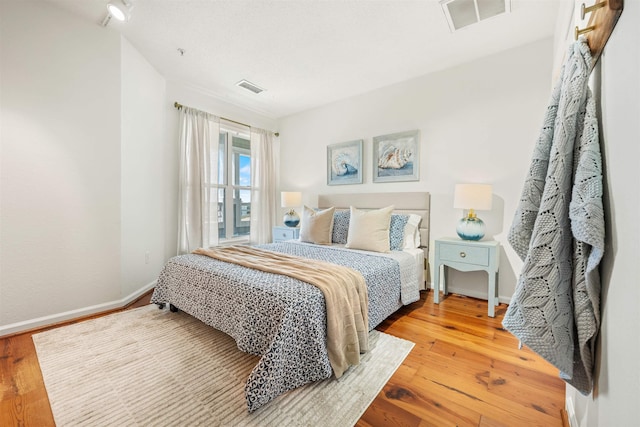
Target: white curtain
[
  {"x": 263, "y": 186},
  {"x": 199, "y": 134}
]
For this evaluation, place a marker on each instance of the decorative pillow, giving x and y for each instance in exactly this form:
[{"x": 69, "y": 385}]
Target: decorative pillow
[
  {"x": 396, "y": 231},
  {"x": 316, "y": 226},
  {"x": 369, "y": 230},
  {"x": 412, "y": 232},
  {"x": 340, "y": 227}
]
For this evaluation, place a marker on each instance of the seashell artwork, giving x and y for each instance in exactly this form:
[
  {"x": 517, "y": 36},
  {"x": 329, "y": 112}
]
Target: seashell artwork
[
  {"x": 394, "y": 158},
  {"x": 343, "y": 165}
]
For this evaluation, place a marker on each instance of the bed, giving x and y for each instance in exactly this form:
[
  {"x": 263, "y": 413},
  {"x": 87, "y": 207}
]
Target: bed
[{"x": 283, "y": 319}]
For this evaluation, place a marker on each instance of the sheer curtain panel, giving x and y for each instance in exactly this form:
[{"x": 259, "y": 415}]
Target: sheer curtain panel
[
  {"x": 197, "y": 214},
  {"x": 263, "y": 186}
]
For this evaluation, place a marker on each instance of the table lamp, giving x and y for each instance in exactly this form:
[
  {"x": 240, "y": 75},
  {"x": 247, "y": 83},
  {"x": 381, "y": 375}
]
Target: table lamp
[
  {"x": 291, "y": 199},
  {"x": 472, "y": 197}
]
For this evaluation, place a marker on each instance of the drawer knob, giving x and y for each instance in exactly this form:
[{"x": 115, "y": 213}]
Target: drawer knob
[{"x": 463, "y": 255}]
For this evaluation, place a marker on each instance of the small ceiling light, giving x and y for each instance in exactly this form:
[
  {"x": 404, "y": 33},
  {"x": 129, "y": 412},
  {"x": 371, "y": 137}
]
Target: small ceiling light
[
  {"x": 117, "y": 12},
  {"x": 121, "y": 12}
]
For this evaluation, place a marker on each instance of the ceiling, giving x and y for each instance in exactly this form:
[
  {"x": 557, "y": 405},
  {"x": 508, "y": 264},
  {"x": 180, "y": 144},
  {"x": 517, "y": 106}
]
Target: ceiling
[{"x": 308, "y": 53}]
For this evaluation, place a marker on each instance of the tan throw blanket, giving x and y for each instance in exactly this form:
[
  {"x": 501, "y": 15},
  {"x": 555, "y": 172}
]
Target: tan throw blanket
[{"x": 344, "y": 290}]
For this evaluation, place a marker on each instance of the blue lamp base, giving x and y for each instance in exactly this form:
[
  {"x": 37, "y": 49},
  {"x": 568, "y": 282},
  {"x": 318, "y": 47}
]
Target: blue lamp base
[
  {"x": 291, "y": 219},
  {"x": 470, "y": 228}
]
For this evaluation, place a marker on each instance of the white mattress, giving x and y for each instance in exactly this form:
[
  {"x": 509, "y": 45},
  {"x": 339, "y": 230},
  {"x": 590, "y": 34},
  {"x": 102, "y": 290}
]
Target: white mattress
[{"x": 419, "y": 257}]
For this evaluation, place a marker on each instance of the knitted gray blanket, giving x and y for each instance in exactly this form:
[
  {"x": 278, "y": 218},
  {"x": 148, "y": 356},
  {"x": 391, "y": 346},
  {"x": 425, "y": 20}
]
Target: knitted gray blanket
[{"x": 558, "y": 231}]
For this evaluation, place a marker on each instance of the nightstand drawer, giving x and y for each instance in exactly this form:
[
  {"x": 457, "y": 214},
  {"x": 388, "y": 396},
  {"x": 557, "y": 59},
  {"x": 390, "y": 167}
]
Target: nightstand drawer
[
  {"x": 285, "y": 233},
  {"x": 465, "y": 254}
]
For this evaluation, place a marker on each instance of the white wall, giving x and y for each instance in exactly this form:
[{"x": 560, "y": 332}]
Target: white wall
[
  {"x": 60, "y": 176},
  {"x": 144, "y": 200},
  {"x": 615, "y": 401},
  {"x": 478, "y": 123},
  {"x": 85, "y": 162}
]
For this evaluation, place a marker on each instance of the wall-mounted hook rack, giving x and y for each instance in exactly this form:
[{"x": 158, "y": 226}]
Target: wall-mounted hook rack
[{"x": 604, "y": 16}]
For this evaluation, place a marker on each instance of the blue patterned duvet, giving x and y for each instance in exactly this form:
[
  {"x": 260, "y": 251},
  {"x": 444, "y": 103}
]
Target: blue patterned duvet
[{"x": 278, "y": 317}]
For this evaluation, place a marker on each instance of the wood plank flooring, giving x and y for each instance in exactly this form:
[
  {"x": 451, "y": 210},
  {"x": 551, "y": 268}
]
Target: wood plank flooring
[{"x": 464, "y": 370}]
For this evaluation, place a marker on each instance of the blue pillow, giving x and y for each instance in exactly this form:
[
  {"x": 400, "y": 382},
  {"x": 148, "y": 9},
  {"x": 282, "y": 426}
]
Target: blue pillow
[
  {"x": 396, "y": 231},
  {"x": 340, "y": 227}
]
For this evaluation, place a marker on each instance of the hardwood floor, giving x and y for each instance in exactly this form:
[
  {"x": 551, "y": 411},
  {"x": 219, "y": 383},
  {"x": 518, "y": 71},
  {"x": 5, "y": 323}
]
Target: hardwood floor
[{"x": 464, "y": 370}]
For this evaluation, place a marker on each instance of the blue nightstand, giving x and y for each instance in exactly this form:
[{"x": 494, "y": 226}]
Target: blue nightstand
[
  {"x": 467, "y": 255},
  {"x": 282, "y": 233}
]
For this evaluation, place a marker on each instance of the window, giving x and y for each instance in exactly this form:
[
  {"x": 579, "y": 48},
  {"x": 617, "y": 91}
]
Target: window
[{"x": 233, "y": 186}]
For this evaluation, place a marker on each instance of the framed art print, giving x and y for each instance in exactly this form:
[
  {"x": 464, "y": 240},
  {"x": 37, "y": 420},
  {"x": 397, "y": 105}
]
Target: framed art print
[
  {"x": 396, "y": 157},
  {"x": 344, "y": 163}
]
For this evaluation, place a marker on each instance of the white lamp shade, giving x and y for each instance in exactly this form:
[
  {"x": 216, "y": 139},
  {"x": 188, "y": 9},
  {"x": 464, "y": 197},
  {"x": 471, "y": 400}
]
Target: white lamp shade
[
  {"x": 473, "y": 196},
  {"x": 291, "y": 199}
]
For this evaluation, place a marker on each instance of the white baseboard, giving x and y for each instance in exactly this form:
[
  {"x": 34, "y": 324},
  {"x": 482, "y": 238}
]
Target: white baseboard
[
  {"x": 472, "y": 293},
  {"x": 39, "y": 322}
]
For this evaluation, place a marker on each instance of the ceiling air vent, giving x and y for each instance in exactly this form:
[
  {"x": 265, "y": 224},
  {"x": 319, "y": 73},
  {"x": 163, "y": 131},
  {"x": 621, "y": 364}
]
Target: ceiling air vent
[
  {"x": 460, "y": 13},
  {"x": 249, "y": 86}
]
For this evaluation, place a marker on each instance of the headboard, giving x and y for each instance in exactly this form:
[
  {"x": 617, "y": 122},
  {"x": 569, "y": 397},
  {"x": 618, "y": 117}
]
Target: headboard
[{"x": 407, "y": 203}]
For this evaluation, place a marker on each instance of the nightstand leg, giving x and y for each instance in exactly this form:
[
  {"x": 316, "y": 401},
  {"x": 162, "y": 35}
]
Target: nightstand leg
[
  {"x": 445, "y": 276},
  {"x": 436, "y": 284},
  {"x": 492, "y": 295}
]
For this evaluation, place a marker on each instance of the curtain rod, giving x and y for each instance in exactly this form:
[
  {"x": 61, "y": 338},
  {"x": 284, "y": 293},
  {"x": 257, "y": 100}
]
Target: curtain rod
[{"x": 179, "y": 106}]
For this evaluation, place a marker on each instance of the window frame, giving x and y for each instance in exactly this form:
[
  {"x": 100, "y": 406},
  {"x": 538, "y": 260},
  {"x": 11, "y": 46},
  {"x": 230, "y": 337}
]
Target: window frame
[{"x": 231, "y": 130}]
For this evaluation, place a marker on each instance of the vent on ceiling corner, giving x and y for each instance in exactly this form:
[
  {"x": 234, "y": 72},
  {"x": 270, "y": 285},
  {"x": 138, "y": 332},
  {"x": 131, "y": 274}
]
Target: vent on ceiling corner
[
  {"x": 461, "y": 13},
  {"x": 250, "y": 86}
]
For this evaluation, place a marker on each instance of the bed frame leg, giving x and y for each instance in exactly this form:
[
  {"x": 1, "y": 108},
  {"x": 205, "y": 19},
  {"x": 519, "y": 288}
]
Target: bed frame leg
[
  {"x": 173, "y": 308},
  {"x": 160, "y": 305}
]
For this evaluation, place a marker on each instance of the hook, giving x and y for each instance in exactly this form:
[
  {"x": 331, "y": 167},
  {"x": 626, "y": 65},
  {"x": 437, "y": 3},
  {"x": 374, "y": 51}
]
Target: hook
[
  {"x": 584, "y": 10},
  {"x": 578, "y": 31}
]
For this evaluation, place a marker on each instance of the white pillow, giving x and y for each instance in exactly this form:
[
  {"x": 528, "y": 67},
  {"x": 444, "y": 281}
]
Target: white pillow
[
  {"x": 316, "y": 226},
  {"x": 412, "y": 232},
  {"x": 369, "y": 230}
]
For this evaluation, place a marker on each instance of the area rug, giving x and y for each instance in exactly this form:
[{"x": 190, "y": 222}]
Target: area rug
[{"x": 151, "y": 367}]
